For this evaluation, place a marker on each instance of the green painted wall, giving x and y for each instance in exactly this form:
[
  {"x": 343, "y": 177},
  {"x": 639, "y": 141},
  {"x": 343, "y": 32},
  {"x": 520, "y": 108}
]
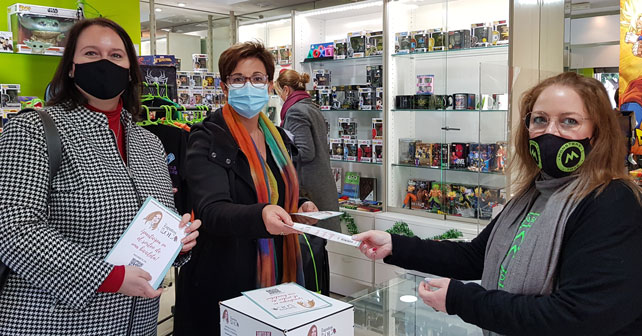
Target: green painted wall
[{"x": 33, "y": 72}]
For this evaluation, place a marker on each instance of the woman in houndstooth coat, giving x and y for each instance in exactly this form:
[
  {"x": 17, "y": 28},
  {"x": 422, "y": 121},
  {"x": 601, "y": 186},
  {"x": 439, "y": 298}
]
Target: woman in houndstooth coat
[{"x": 56, "y": 242}]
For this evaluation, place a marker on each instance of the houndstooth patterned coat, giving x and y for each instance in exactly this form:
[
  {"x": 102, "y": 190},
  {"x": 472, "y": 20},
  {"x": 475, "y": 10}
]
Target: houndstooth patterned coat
[{"x": 59, "y": 258}]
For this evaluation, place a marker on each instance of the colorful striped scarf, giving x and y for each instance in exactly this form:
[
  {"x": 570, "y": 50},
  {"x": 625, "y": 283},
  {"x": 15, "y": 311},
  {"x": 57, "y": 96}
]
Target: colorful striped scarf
[{"x": 267, "y": 191}]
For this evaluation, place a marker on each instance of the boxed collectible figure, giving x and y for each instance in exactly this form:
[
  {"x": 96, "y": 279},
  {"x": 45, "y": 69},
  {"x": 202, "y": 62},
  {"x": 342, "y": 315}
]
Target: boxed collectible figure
[
  {"x": 183, "y": 78},
  {"x": 321, "y": 51},
  {"x": 321, "y": 79},
  {"x": 500, "y": 32},
  {"x": 438, "y": 39},
  {"x": 500, "y": 157},
  {"x": 40, "y": 29},
  {"x": 402, "y": 43},
  {"x": 275, "y": 53},
  {"x": 199, "y": 62},
  {"x": 183, "y": 96},
  {"x": 416, "y": 194},
  {"x": 9, "y": 94},
  {"x": 352, "y": 98},
  {"x": 340, "y": 49},
  {"x": 357, "y": 44},
  {"x": 407, "y": 151},
  {"x": 435, "y": 150},
  {"x": 459, "y": 155},
  {"x": 6, "y": 42},
  {"x": 425, "y": 84},
  {"x": 455, "y": 40},
  {"x": 338, "y": 97},
  {"x": 211, "y": 80},
  {"x": 377, "y": 151},
  {"x": 466, "y": 38},
  {"x": 336, "y": 149},
  {"x": 325, "y": 99},
  {"x": 337, "y": 173},
  {"x": 285, "y": 56},
  {"x": 423, "y": 154},
  {"x": 435, "y": 198},
  {"x": 374, "y": 75},
  {"x": 419, "y": 40},
  {"x": 377, "y": 128},
  {"x": 365, "y": 99},
  {"x": 350, "y": 150},
  {"x": 196, "y": 80},
  {"x": 379, "y": 98},
  {"x": 365, "y": 151},
  {"x": 347, "y": 128},
  {"x": 475, "y": 163},
  {"x": 6, "y": 114},
  {"x": 480, "y": 35},
  {"x": 374, "y": 43}
]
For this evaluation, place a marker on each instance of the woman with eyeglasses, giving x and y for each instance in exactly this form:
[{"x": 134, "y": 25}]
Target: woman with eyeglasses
[
  {"x": 564, "y": 256},
  {"x": 244, "y": 186}
]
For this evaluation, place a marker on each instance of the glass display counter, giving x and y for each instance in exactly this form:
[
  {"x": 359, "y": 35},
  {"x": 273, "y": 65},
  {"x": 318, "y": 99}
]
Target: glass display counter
[{"x": 394, "y": 309}]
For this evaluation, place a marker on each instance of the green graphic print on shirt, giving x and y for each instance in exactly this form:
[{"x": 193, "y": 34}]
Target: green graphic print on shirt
[{"x": 527, "y": 223}]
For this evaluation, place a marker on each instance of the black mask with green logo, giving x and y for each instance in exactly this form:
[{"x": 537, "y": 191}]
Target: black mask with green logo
[{"x": 558, "y": 157}]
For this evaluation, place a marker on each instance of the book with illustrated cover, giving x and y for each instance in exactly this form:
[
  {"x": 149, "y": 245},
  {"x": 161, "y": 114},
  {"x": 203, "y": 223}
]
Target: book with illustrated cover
[
  {"x": 337, "y": 173},
  {"x": 351, "y": 185},
  {"x": 368, "y": 189}
]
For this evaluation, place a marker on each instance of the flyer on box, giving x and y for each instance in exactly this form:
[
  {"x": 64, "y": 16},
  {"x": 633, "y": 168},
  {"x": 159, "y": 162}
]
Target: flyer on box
[
  {"x": 326, "y": 234},
  {"x": 319, "y": 215},
  {"x": 286, "y": 300},
  {"x": 152, "y": 241}
]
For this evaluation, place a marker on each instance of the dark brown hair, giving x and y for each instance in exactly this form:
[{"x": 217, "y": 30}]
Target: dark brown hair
[
  {"x": 232, "y": 55},
  {"x": 63, "y": 87},
  {"x": 604, "y": 163}
]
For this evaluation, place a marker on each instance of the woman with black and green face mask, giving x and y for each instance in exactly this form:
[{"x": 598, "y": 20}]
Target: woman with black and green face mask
[{"x": 563, "y": 257}]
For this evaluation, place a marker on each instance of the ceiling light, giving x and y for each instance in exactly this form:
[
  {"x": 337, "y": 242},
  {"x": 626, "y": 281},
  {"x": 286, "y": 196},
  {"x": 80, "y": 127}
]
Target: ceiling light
[
  {"x": 181, "y": 4},
  {"x": 408, "y": 298},
  {"x": 159, "y": 9}
]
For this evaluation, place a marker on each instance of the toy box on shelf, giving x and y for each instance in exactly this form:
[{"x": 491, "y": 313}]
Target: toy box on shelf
[
  {"x": 285, "y": 55},
  {"x": 40, "y": 29},
  {"x": 9, "y": 94},
  {"x": 321, "y": 51},
  {"x": 6, "y": 42},
  {"x": 357, "y": 44},
  {"x": 364, "y": 153},
  {"x": 374, "y": 43},
  {"x": 340, "y": 49},
  {"x": 199, "y": 62}
]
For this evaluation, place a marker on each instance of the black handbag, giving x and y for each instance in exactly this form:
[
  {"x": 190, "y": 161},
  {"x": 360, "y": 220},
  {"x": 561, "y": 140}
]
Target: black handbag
[{"x": 54, "y": 151}]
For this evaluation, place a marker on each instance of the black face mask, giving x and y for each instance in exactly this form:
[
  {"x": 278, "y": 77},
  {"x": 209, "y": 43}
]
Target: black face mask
[
  {"x": 101, "y": 79},
  {"x": 558, "y": 157}
]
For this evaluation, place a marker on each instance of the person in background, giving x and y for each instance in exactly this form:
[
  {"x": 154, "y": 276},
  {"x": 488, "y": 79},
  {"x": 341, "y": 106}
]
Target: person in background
[
  {"x": 301, "y": 116},
  {"x": 56, "y": 241},
  {"x": 244, "y": 187},
  {"x": 563, "y": 257}
]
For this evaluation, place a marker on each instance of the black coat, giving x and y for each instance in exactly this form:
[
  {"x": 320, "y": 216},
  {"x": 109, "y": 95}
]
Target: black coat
[{"x": 223, "y": 263}]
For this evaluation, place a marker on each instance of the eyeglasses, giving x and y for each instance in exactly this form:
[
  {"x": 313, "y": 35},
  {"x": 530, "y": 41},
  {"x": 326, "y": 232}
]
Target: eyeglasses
[
  {"x": 237, "y": 81},
  {"x": 566, "y": 123}
]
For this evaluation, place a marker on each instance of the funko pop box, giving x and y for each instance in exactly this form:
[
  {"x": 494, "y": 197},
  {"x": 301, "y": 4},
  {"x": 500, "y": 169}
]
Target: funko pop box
[{"x": 40, "y": 29}]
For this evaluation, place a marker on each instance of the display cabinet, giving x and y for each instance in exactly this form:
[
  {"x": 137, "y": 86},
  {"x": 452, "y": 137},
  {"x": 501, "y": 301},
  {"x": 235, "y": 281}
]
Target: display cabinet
[
  {"x": 347, "y": 83},
  {"x": 447, "y": 110}
]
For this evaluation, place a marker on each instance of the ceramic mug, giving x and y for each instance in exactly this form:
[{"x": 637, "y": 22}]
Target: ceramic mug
[
  {"x": 464, "y": 101},
  {"x": 501, "y": 102}
]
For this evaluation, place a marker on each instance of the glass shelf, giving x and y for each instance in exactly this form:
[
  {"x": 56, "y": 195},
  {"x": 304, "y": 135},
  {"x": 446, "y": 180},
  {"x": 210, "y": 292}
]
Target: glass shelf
[
  {"x": 416, "y": 110},
  {"x": 448, "y": 169},
  {"x": 375, "y": 58},
  {"x": 351, "y": 111},
  {"x": 365, "y": 163},
  {"x": 468, "y": 52}
]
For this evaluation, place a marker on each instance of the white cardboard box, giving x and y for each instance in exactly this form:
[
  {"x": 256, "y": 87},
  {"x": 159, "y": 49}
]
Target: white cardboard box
[{"x": 242, "y": 317}]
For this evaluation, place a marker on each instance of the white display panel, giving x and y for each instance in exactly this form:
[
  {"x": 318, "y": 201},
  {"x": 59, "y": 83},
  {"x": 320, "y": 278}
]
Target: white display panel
[{"x": 271, "y": 33}]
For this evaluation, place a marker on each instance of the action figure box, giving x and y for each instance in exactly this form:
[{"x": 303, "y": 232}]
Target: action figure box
[
  {"x": 350, "y": 150},
  {"x": 6, "y": 42},
  {"x": 325, "y": 99},
  {"x": 199, "y": 61},
  {"x": 336, "y": 149},
  {"x": 459, "y": 155},
  {"x": 196, "y": 97},
  {"x": 419, "y": 42},
  {"x": 183, "y": 96},
  {"x": 501, "y": 157},
  {"x": 40, "y": 29},
  {"x": 403, "y": 43},
  {"x": 377, "y": 128},
  {"x": 183, "y": 79},
  {"x": 481, "y": 34},
  {"x": 9, "y": 94},
  {"x": 340, "y": 49},
  {"x": 475, "y": 163},
  {"x": 321, "y": 51},
  {"x": 196, "y": 80},
  {"x": 374, "y": 43},
  {"x": 337, "y": 173},
  {"x": 212, "y": 80},
  {"x": 488, "y": 199},
  {"x": 488, "y": 157},
  {"x": 417, "y": 192},
  {"x": 285, "y": 55},
  {"x": 352, "y": 97},
  {"x": 379, "y": 98},
  {"x": 438, "y": 39},
  {"x": 321, "y": 79},
  {"x": 357, "y": 44},
  {"x": 6, "y": 114},
  {"x": 464, "y": 203},
  {"x": 338, "y": 97},
  {"x": 374, "y": 75},
  {"x": 466, "y": 38},
  {"x": 377, "y": 150},
  {"x": 407, "y": 151},
  {"x": 347, "y": 128},
  {"x": 500, "y": 33},
  {"x": 365, "y": 99},
  {"x": 365, "y": 151},
  {"x": 455, "y": 40},
  {"x": 423, "y": 154},
  {"x": 425, "y": 84},
  {"x": 435, "y": 158},
  {"x": 275, "y": 53}
]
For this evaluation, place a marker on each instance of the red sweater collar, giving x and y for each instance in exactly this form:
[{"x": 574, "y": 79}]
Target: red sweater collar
[{"x": 116, "y": 111}]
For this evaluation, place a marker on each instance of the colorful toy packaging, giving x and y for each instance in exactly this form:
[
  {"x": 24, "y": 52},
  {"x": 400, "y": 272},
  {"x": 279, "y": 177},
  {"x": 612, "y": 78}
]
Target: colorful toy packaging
[
  {"x": 6, "y": 42},
  {"x": 340, "y": 49},
  {"x": 364, "y": 153},
  {"x": 40, "y": 29}
]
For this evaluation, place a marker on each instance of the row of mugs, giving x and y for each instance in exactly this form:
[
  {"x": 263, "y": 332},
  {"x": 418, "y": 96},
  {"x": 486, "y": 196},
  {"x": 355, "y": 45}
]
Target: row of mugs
[{"x": 457, "y": 101}]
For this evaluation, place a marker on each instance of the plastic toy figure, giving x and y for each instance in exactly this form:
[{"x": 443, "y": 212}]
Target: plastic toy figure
[
  {"x": 410, "y": 196},
  {"x": 46, "y": 30},
  {"x": 435, "y": 198},
  {"x": 500, "y": 158}
]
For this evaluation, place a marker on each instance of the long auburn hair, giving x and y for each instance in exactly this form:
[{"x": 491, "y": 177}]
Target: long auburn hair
[
  {"x": 604, "y": 163},
  {"x": 63, "y": 87}
]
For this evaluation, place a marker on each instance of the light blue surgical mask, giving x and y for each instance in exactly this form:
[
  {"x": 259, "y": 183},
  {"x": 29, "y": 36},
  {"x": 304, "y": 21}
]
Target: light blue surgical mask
[{"x": 248, "y": 100}]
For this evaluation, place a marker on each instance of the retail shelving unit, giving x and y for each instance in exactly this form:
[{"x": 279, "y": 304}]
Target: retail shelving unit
[{"x": 482, "y": 71}]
